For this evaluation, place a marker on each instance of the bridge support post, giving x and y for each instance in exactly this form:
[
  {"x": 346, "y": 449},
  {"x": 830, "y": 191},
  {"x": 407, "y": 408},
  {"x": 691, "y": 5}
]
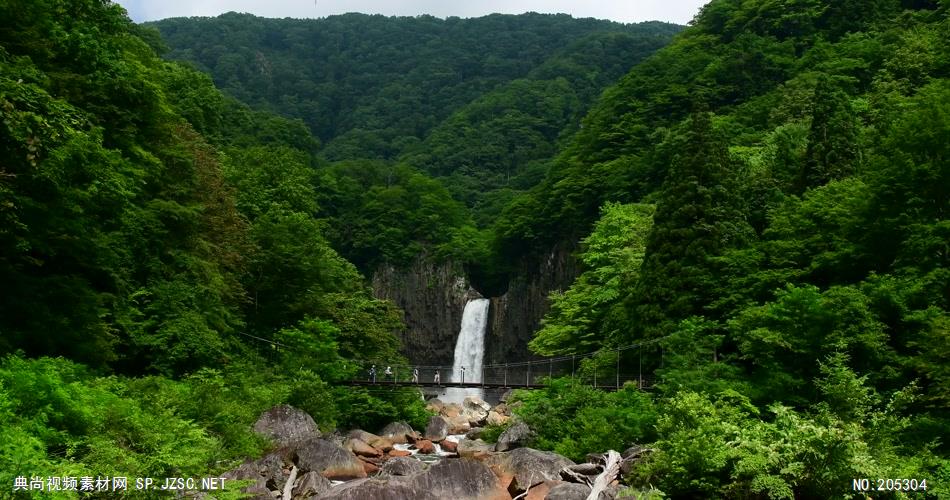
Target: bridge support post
[
  {"x": 550, "y": 368},
  {"x": 595, "y": 371},
  {"x": 506, "y": 374},
  {"x": 618, "y": 369},
  {"x": 527, "y": 375},
  {"x": 572, "y": 369},
  {"x": 640, "y": 369}
]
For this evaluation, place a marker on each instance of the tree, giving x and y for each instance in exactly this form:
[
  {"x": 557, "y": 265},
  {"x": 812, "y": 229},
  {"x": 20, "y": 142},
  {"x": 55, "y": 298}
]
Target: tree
[{"x": 696, "y": 219}]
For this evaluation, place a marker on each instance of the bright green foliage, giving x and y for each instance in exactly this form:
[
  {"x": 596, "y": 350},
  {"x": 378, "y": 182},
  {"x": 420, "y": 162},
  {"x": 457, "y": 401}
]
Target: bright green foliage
[
  {"x": 385, "y": 213},
  {"x": 798, "y": 256},
  {"x": 719, "y": 448},
  {"x": 590, "y": 312},
  {"x": 574, "y": 420},
  {"x": 804, "y": 323}
]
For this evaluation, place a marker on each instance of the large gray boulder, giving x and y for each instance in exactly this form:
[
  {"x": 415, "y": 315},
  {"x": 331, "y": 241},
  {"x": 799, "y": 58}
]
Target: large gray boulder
[
  {"x": 330, "y": 459},
  {"x": 475, "y": 410},
  {"x": 515, "y": 436},
  {"x": 437, "y": 429},
  {"x": 402, "y": 466},
  {"x": 286, "y": 424},
  {"x": 461, "y": 479},
  {"x": 399, "y": 432},
  {"x": 268, "y": 473},
  {"x": 449, "y": 479},
  {"x": 310, "y": 484},
  {"x": 568, "y": 491},
  {"x": 473, "y": 448},
  {"x": 378, "y": 488},
  {"x": 529, "y": 467}
]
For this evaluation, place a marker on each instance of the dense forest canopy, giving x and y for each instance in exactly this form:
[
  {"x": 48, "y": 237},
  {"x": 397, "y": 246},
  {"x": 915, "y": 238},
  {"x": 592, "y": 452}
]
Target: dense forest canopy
[{"x": 765, "y": 197}]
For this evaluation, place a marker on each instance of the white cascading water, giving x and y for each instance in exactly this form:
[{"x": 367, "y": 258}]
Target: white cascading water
[{"x": 469, "y": 351}]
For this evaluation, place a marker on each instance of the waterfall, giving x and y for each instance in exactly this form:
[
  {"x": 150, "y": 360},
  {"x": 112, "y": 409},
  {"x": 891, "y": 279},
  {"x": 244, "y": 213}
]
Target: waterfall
[{"x": 469, "y": 351}]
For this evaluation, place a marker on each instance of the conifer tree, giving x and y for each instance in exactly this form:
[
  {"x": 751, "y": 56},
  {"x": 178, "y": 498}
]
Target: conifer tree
[{"x": 696, "y": 219}]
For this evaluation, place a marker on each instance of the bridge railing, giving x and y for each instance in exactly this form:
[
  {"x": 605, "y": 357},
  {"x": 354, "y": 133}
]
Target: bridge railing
[{"x": 609, "y": 369}]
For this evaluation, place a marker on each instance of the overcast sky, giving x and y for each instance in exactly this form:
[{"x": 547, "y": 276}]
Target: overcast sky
[{"x": 678, "y": 11}]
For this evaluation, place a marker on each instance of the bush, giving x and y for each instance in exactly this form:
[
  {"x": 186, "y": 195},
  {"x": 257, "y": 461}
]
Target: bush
[{"x": 575, "y": 420}]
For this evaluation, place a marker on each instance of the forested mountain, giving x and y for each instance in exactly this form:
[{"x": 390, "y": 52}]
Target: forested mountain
[
  {"x": 764, "y": 199},
  {"x": 480, "y": 104},
  {"x": 157, "y": 238},
  {"x": 372, "y": 86},
  {"x": 783, "y": 173}
]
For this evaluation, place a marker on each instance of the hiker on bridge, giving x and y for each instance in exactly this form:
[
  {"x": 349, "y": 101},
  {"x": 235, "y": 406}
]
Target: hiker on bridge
[
  {"x": 463, "y": 374},
  {"x": 436, "y": 379},
  {"x": 372, "y": 374},
  {"x": 415, "y": 375},
  {"x": 389, "y": 372}
]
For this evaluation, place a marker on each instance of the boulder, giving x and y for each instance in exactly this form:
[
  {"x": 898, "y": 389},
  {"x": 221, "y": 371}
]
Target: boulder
[
  {"x": 587, "y": 469},
  {"x": 331, "y": 460},
  {"x": 369, "y": 467},
  {"x": 400, "y": 453},
  {"x": 451, "y": 410},
  {"x": 435, "y": 405},
  {"x": 475, "y": 433},
  {"x": 506, "y": 396},
  {"x": 268, "y": 473},
  {"x": 475, "y": 410},
  {"x": 495, "y": 418},
  {"x": 459, "y": 425},
  {"x": 437, "y": 429},
  {"x": 515, "y": 436},
  {"x": 246, "y": 471},
  {"x": 568, "y": 491},
  {"x": 402, "y": 466},
  {"x": 361, "y": 448},
  {"x": 425, "y": 447},
  {"x": 286, "y": 424},
  {"x": 362, "y": 435},
  {"x": 378, "y": 488},
  {"x": 540, "y": 491},
  {"x": 310, "y": 484},
  {"x": 475, "y": 403},
  {"x": 449, "y": 446},
  {"x": 529, "y": 467},
  {"x": 468, "y": 448},
  {"x": 461, "y": 479},
  {"x": 502, "y": 409},
  {"x": 381, "y": 443},
  {"x": 398, "y": 432}
]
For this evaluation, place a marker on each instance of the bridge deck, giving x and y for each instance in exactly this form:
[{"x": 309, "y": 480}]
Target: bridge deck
[{"x": 477, "y": 385}]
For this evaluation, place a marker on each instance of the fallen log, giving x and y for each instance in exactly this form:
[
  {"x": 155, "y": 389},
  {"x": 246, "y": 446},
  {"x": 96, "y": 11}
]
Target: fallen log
[{"x": 611, "y": 471}]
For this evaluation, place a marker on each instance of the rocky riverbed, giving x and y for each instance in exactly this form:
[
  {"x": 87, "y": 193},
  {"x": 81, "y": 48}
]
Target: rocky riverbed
[{"x": 446, "y": 460}]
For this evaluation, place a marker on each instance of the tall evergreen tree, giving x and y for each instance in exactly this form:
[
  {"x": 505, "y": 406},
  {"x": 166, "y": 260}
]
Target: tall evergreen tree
[
  {"x": 832, "y": 141},
  {"x": 696, "y": 219}
]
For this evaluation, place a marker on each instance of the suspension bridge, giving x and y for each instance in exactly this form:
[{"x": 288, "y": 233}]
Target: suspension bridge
[{"x": 605, "y": 369}]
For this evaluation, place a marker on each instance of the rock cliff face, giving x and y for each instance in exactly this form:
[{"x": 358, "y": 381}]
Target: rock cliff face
[
  {"x": 433, "y": 296},
  {"x": 516, "y": 315}
]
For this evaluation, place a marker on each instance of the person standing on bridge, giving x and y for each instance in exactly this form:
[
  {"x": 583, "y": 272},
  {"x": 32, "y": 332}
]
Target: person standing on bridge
[
  {"x": 463, "y": 374},
  {"x": 372, "y": 374},
  {"x": 389, "y": 372},
  {"x": 415, "y": 375},
  {"x": 436, "y": 379}
]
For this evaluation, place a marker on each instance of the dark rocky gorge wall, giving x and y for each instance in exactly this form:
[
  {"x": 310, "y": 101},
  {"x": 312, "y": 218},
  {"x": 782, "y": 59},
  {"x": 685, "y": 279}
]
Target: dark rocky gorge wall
[{"x": 433, "y": 296}]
